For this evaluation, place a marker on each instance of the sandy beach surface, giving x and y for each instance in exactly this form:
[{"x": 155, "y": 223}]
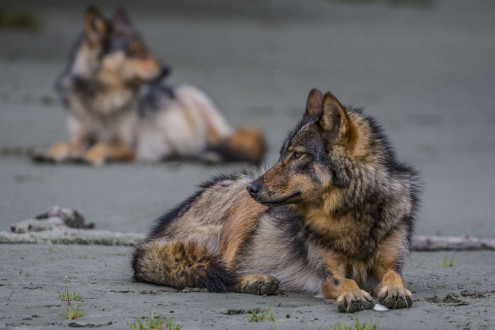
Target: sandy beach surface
[
  {"x": 424, "y": 69},
  {"x": 458, "y": 297}
]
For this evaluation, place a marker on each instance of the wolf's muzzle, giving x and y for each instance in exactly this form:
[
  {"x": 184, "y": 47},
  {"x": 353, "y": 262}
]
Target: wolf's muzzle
[{"x": 254, "y": 188}]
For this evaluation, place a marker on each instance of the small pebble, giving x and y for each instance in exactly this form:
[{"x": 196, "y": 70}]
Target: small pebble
[{"x": 380, "y": 308}]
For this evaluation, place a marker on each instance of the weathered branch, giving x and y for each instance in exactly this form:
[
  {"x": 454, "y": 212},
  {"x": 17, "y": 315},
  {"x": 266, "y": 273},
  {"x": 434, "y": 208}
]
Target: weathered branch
[
  {"x": 65, "y": 235},
  {"x": 437, "y": 243}
]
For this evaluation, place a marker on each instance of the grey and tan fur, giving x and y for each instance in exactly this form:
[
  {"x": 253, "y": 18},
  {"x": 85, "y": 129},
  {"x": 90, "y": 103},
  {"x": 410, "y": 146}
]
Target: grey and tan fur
[
  {"x": 118, "y": 109},
  {"x": 334, "y": 216}
]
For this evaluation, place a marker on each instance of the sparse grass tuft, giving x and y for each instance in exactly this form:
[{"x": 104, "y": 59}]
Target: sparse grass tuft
[
  {"x": 68, "y": 297},
  {"x": 447, "y": 263},
  {"x": 171, "y": 326},
  {"x": 154, "y": 323},
  {"x": 18, "y": 20},
  {"x": 411, "y": 3},
  {"x": 264, "y": 316},
  {"x": 72, "y": 313},
  {"x": 356, "y": 326},
  {"x": 146, "y": 324}
]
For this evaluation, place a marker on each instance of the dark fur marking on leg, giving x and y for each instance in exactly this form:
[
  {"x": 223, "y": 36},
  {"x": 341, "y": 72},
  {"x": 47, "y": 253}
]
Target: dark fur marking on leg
[{"x": 181, "y": 265}]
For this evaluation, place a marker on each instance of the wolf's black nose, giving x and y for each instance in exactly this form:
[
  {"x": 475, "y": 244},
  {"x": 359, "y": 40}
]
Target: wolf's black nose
[
  {"x": 165, "y": 71},
  {"x": 253, "y": 188}
]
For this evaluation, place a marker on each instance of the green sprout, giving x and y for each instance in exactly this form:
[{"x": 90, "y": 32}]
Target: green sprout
[
  {"x": 68, "y": 297},
  {"x": 356, "y": 326},
  {"x": 18, "y": 20},
  {"x": 72, "y": 313},
  {"x": 447, "y": 263},
  {"x": 264, "y": 316},
  {"x": 154, "y": 323}
]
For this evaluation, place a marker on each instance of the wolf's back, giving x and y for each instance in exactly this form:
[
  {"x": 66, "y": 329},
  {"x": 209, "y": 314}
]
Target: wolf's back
[{"x": 243, "y": 144}]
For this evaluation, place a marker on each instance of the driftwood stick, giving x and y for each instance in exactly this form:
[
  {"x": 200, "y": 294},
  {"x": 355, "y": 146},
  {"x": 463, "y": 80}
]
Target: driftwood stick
[
  {"x": 453, "y": 243},
  {"x": 64, "y": 235}
]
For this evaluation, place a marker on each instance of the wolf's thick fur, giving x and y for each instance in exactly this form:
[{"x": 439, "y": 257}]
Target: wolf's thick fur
[
  {"x": 118, "y": 109},
  {"x": 334, "y": 216}
]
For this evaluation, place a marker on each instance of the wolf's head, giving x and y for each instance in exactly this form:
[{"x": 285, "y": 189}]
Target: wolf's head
[
  {"x": 322, "y": 157},
  {"x": 111, "y": 51}
]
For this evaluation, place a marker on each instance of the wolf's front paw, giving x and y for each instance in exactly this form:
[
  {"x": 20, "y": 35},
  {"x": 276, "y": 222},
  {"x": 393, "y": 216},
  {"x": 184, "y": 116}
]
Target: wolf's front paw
[
  {"x": 59, "y": 152},
  {"x": 261, "y": 284},
  {"x": 395, "y": 297},
  {"x": 354, "y": 301},
  {"x": 96, "y": 156}
]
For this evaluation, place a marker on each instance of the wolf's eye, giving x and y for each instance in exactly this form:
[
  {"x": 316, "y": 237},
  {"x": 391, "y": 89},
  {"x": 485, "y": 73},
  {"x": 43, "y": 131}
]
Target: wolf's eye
[
  {"x": 135, "y": 50},
  {"x": 297, "y": 155}
]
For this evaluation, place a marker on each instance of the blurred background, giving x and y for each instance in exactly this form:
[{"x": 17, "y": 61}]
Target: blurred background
[{"x": 424, "y": 68}]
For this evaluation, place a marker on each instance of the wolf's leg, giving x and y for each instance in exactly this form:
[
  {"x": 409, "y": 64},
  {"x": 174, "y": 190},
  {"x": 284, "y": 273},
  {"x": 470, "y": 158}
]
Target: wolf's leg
[
  {"x": 62, "y": 150},
  {"x": 58, "y": 152},
  {"x": 261, "y": 284},
  {"x": 102, "y": 152},
  {"x": 350, "y": 298},
  {"x": 180, "y": 265},
  {"x": 391, "y": 290}
]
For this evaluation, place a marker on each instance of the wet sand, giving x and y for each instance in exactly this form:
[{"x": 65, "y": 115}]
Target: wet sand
[
  {"x": 457, "y": 297},
  {"x": 426, "y": 73}
]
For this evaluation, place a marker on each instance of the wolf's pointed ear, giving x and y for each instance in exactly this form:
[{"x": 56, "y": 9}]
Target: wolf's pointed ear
[
  {"x": 96, "y": 26},
  {"x": 120, "y": 16},
  {"x": 334, "y": 117},
  {"x": 314, "y": 103}
]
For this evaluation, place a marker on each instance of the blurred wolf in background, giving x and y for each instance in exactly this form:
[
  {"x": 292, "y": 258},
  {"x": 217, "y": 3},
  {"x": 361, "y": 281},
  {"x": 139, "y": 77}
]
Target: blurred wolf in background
[
  {"x": 334, "y": 216},
  {"x": 119, "y": 111}
]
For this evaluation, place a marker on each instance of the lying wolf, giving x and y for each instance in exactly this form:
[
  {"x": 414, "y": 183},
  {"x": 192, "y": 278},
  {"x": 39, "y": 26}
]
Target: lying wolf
[
  {"x": 333, "y": 216},
  {"x": 119, "y": 111}
]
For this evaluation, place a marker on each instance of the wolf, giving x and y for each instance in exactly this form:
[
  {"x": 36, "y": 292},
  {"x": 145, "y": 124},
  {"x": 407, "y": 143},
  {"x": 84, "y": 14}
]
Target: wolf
[
  {"x": 118, "y": 109},
  {"x": 333, "y": 217}
]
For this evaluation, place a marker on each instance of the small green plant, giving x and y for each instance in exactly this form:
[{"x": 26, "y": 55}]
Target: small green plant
[
  {"x": 264, "y": 316},
  {"x": 72, "y": 313},
  {"x": 356, "y": 326},
  {"x": 68, "y": 297},
  {"x": 154, "y": 323},
  {"x": 411, "y": 3},
  {"x": 18, "y": 20},
  {"x": 146, "y": 324},
  {"x": 171, "y": 326},
  {"x": 447, "y": 263}
]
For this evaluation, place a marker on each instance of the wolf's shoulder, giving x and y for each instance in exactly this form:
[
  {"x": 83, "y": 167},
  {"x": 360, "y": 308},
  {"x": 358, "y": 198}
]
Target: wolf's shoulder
[
  {"x": 154, "y": 98},
  {"x": 218, "y": 189}
]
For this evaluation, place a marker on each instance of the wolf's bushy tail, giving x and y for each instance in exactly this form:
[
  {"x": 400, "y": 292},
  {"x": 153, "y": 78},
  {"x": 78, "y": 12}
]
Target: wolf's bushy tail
[
  {"x": 244, "y": 145},
  {"x": 181, "y": 265}
]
